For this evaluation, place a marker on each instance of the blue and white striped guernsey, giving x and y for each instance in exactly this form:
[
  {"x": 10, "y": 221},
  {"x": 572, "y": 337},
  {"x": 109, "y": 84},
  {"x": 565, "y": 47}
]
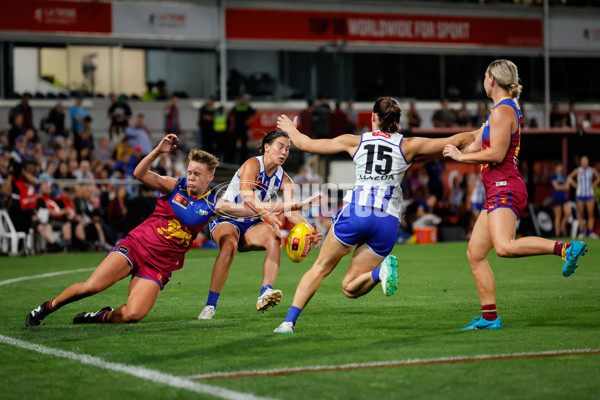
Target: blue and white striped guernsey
[
  {"x": 585, "y": 177},
  {"x": 380, "y": 167},
  {"x": 265, "y": 186}
]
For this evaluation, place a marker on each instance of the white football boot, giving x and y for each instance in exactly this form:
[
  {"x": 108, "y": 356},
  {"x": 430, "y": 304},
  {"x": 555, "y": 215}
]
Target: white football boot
[
  {"x": 269, "y": 298},
  {"x": 285, "y": 327},
  {"x": 207, "y": 313},
  {"x": 388, "y": 275}
]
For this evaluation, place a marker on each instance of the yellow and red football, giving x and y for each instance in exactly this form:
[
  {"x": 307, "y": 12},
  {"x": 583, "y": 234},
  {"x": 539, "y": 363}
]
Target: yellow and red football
[{"x": 299, "y": 242}]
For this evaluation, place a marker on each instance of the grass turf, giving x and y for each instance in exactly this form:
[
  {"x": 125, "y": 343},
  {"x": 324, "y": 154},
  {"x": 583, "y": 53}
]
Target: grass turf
[{"x": 540, "y": 310}]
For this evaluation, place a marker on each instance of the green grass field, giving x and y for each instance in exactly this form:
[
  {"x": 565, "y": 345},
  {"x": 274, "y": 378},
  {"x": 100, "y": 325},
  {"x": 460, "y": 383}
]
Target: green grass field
[{"x": 540, "y": 309}]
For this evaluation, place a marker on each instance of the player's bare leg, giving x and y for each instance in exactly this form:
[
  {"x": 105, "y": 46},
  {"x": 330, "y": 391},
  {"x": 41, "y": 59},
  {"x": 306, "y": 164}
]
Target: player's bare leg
[
  {"x": 262, "y": 236},
  {"x": 112, "y": 269},
  {"x": 227, "y": 237},
  {"x": 143, "y": 294},
  {"x": 358, "y": 280}
]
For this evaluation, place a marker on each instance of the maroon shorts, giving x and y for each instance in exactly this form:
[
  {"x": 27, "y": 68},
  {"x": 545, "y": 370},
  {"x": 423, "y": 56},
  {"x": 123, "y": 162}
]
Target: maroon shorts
[
  {"x": 140, "y": 266},
  {"x": 516, "y": 200}
]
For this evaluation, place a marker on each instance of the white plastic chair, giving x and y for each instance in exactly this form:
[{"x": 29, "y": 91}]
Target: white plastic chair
[{"x": 9, "y": 237}]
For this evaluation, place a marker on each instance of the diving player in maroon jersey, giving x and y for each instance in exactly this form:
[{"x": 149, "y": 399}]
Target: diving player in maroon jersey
[
  {"x": 157, "y": 247},
  {"x": 497, "y": 147}
]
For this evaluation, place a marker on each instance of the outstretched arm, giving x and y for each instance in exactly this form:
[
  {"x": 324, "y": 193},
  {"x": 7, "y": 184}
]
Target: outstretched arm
[
  {"x": 500, "y": 122},
  {"x": 418, "y": 146},
  {"x": 339, "y": 144},
  {"x": 165, "y": 184}
]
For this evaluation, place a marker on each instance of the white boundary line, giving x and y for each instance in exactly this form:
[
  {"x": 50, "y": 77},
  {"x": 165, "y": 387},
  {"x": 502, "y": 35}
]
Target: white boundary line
[
  {"x": 25, "y": 278},
  {"x": 392, "y": 364},
  {"x": 139, "y": 372}
]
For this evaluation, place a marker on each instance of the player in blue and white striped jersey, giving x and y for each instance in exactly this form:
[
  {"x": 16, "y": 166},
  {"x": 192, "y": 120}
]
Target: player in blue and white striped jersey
[
  {"x": 258, "y": 180},
  {"x": 587, "y": 179},
  {"x": 371, "y": 212}
]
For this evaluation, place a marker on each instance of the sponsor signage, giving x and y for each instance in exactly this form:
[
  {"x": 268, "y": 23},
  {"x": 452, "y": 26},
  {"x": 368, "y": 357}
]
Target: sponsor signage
[
  {"x": 185, "y": 21},
  {"x": 254, "y": 24},
  {"x": 57, "y": 16},
  {"x": 574, "y": 34}
]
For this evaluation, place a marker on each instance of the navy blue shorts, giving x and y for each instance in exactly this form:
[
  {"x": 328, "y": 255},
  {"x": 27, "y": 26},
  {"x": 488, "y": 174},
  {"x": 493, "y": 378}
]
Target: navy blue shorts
[
  {"x": 241, "y": 226},
  {"x": 355, "y": 225}
]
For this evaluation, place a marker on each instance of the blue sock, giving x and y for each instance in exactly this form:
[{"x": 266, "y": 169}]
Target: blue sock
[
  {"x": 264, "y": 288},
  {"x": 375, "y": 274},
  {"x": 293, "y": 314},
  {"x": 213, "y": 298}
]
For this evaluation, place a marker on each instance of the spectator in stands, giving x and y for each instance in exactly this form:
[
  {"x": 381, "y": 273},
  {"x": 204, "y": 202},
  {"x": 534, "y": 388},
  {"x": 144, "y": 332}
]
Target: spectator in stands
[
  {"x": 84, "y": 172},
  {"x": 56, "y": 117},
  {"x": 119, "y": 114},
  {"x": 63, "y": 172},
  {"x": 462, "y": 115},
  {"x": 122, "y": 148},
  {"x": 206, "y": 124},
  {"x": 172, "y": 116},
  {"x": 413, "y": 115},
  {"x": 586, "y": 124},
  {"x": 560, "y": 201},
  {"x": 444, "y": 117},
  {"x": 25, "y": 109},
  {"x": 46, "y": 208},
  {"x": 24, "y": 182},
  {"x": 78, "y": 113},
  {"x": 47, "y": 174},
  {"x": 571, "y": 116},
  {"x": 241, "y": 117},
  {"x": 338, "y": 121},
  {"x": 139, "y": 135},
  {"x": 160, "y": 92},
  {"x": 352, "y": 117},
  {"x": 124, "y": 164},
  {"x": 69, "y": 219},
  {"x": 222, "y": 135},
  {"x": 557, "y": 118},
  {"x": 103, "y": 153},
  {"x": 306, "y": 118},
  {"x": 424, "y": 215},
  {"x": 117, "y": 212},
  {"x": 17, "y": 129},
  {"x": 320, "y": 119},
  {"x": 435, "y": 169},
  {"x": 91, "y": 222},
  {"x": 150, "y": 94},
  {"x": 481, "y": 116},
  {"x": 85, "y": 135}
]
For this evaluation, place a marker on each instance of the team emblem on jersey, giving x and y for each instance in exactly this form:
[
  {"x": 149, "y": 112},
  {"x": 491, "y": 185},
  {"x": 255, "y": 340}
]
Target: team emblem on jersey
[{"x": 181, "y": 201}]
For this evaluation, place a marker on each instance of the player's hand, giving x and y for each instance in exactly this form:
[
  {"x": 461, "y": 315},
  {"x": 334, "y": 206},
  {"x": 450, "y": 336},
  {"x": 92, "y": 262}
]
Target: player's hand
[
  {"x": 285, "y": 124},
  {"x": 271, "y": 219},
  {"x": 450, "y": 151},
  {"x": 308, "y": 202},
  {"x": 168, "y": 143},
  {"x": 317, "y": 236}
]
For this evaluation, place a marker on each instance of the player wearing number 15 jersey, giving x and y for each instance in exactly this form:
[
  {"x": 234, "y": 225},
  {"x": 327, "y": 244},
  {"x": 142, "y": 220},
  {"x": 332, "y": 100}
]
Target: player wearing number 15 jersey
[{"x": 369, "y": 217}]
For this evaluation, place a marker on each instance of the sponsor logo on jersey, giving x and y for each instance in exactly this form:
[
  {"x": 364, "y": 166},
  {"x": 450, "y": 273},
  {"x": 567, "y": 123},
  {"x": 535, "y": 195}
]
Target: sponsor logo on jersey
[
  {"x": 201, "y": 212},
  {"x": 501, "y": 183},
  {"x": 382, "y": 134},
  {"x": 377, "y": 177},
  {"x": 123, "y": 249},
  {"x": 181, "y": 201}
]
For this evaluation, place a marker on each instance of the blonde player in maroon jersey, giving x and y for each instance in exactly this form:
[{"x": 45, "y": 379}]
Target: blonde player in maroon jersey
[{"x": 497, "y": 147}]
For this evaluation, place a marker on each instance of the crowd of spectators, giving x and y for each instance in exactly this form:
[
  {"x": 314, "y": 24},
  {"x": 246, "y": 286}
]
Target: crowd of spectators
[{"x": 73, "y": 187}]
